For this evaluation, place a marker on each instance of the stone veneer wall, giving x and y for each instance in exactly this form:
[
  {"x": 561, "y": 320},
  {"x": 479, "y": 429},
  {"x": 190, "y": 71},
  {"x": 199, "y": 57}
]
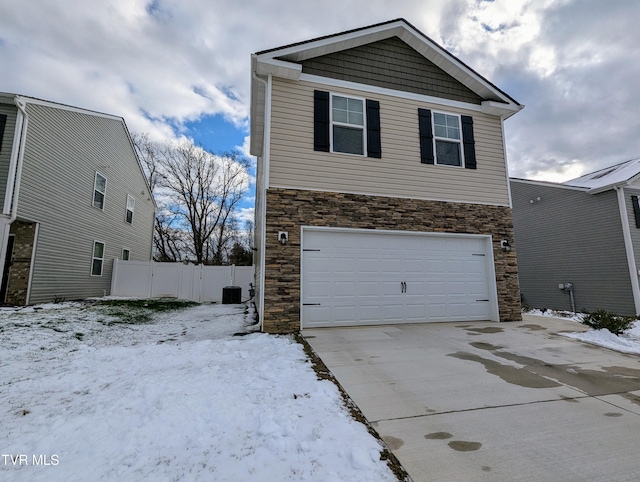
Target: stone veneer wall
[
  {"x": 289, "y": 209},
  {"x": 18, "y": 283}
]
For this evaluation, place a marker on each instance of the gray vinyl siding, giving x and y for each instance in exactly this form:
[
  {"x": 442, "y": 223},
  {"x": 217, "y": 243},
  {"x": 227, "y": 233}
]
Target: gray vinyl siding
[
  {"x": 399, "y": 173},
  {"x": 5, "y": 147},
  {"x": 64, "y": 149},
  {"x": 571, "y": 236},
  {"x": 634, "y": 231},
  {"x": 392, "y": 64}
]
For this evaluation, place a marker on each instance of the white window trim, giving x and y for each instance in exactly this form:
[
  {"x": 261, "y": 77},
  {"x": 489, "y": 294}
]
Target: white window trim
[
  {"x": 122, "y": 255},
  {"x": 447, "y": 139},
  {"x": 93, "y": 258},
  {"x": 104, "y": 193},
  {"x": 133, "y": 209},
  {"x": 352, "y": 126}
]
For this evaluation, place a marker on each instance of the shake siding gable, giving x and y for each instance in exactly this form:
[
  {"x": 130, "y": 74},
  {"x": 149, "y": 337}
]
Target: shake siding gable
[
  {"x": 392, "y": 64},
  {"x": 7, "y": 144},
  {"x": 399, "y": 172},
  {"x": 64, "y": 149}
]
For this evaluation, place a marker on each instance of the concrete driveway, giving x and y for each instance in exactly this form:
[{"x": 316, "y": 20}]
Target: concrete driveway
[{"x": 492, "y": 401}]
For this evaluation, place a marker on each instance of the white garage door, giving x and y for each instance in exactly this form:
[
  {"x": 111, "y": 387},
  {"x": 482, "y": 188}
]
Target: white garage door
[{"x": 363, "y": 277}]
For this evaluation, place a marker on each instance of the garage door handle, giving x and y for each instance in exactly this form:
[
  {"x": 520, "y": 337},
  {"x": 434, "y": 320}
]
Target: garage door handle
[{"x": 403, "y": 287}]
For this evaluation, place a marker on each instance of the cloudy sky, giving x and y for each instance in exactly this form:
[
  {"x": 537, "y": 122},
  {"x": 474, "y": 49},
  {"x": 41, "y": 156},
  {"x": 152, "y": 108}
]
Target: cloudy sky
[{"x": 181, "y": 67}]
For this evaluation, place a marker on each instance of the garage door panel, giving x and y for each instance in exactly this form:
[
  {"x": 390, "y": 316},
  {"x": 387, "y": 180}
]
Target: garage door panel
[
  {"x": 357, "y": 278},
  {"x": 370, "y": 314},
  {"x": 478, "y": 288},
  {"x": 368, "y": 288},
  {"x": 457, "y": 288},
  {"x": 319, "y": 289},
  {"x": 437, "y": 312},
  {"x": 344, "y": 314},
  {"x": 435, "y": 288},
  {"x": 393, "y": 312}
]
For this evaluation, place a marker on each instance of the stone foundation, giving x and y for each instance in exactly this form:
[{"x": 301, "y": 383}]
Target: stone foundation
[
  {"x": 290, "y": 209},
  {"x": 18, "y": 283}
]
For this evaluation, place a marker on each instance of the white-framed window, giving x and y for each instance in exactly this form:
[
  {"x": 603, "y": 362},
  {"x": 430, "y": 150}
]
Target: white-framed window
[
  {"x": 99, "y": 190},
  {"x": 98, "y": 258},
  {"x": 125, "y": 254},
  {"x": 448, "y": 139},
  {"x": 131, "y": 205},
  {"x": 348, "y": 125}
]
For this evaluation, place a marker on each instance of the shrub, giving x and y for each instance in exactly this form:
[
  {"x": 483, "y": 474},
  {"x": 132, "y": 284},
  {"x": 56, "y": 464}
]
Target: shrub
[{"x": 613, "y": 322}]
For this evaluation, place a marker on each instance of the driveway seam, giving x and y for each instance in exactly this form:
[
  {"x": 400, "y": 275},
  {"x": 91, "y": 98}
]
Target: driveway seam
[{"x": 476, "y": 409}]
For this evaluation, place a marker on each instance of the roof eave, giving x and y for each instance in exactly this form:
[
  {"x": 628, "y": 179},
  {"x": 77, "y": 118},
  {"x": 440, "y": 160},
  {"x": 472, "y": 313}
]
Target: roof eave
[
  {"x": 608, "y": 187},
  {"x": 402, "y": 29}
]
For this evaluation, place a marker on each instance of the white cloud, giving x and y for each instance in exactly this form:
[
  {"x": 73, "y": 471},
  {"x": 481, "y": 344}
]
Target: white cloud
[{"x": 160, "y": 63}]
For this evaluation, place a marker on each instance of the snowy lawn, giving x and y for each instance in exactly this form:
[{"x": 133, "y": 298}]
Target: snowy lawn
[
  {"x": 628, "y": 342},
  {"x": 168, "y": 396}
]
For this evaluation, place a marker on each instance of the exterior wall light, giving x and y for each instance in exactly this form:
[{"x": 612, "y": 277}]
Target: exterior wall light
[
  {"x": 283, "y": 236},
  {"x": 504, "y": 244}
]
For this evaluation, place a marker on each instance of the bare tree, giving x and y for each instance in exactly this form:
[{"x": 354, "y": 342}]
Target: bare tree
[
  {"x": 149, "y": 153},
  {"x": 199, "y": 193},
  {"x": 168, "y": 240}
]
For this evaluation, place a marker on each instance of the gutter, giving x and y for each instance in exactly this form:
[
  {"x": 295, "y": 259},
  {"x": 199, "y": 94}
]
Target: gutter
[{"x": 628, "y": 246}]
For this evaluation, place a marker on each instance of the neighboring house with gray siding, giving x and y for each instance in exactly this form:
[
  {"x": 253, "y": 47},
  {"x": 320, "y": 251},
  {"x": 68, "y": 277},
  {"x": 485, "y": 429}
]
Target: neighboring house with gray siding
[
  {"x": 586, "y": 232},
  {"x": 73, "y": 198},
  {"x": 382, "y": 188}
]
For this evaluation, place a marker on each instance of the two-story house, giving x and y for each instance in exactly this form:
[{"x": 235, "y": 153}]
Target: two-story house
[
  {"x": 73, "y": 196},
  {"x": 382, "y": 185}
]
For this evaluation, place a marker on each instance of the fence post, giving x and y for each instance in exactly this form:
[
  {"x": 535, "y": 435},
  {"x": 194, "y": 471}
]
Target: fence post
[
  {"x": 114, "y": 276},
  {"x": 150, "y": 279}
]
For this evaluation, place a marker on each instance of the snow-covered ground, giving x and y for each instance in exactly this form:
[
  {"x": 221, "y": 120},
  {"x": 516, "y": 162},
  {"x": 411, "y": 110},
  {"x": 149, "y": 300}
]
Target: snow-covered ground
[
  {"x": 85, "y": 398},
  {"x": 628, "y": 342}
]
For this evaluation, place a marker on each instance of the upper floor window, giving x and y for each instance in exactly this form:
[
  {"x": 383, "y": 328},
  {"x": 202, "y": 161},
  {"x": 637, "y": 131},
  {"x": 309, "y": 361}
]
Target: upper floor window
[
  {"x": 99, "y": 190},
  {"x": 125, "y": 254},
  {"x": 446, "y": 130},
  {"x": 636, "y": 210},
  {"x": 346, "y": 124},
  {"x": 131, "y": 204},
  {"x": 446, "y": 139},
  {"x": 3, "y": 122},
  {"x": 98, "y": 258},
  {"x": 347, "y": 119}
]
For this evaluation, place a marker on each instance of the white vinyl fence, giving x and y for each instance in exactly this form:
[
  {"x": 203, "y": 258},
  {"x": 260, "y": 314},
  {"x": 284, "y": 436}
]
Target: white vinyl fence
[{"x": 148, "y": 279}]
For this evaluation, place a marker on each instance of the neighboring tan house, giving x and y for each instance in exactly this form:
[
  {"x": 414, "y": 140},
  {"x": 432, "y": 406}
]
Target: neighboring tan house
[
  {"x": 579, "y": 242},
  {"x": 73, "y": 197},
  {"x": 382, "y": 186}
]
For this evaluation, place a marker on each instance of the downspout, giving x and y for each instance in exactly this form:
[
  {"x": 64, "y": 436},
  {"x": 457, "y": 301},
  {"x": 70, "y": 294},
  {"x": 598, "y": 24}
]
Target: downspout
[
  {"x": 263, "y": 195},
  {"x": 18, "y": 175},
  {"x": 10, "y": 207},
  {"x": 628, "y": 245}
]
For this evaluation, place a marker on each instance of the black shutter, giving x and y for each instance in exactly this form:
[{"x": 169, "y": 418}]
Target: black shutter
[
  {"x": 3, "y": 122},
  {"x": 320, "y": 121},
  {"x": 469, "y": 144},
  {"x": 426, "y": 136},
  {"x": 374, "y": 148},
  {"x": 636, "y": 210}
]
